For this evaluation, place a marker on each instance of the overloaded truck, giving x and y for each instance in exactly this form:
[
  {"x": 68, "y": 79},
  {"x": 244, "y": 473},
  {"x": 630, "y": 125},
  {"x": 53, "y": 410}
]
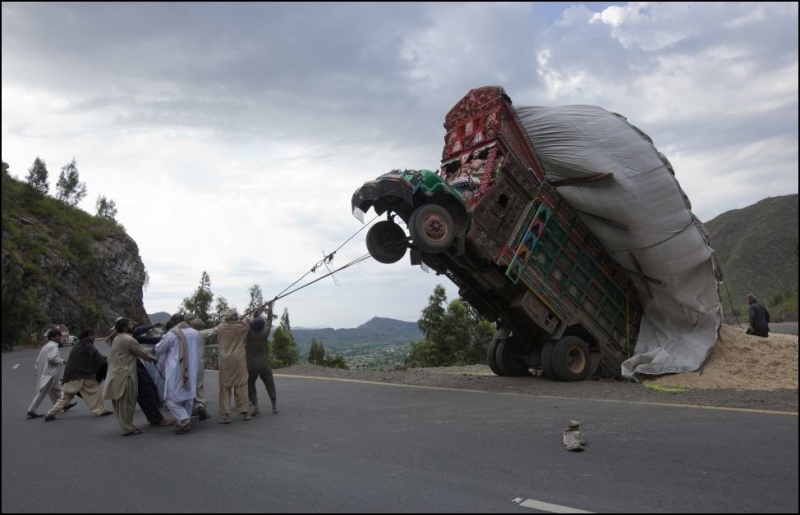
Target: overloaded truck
[{"x": 490, "y": 221}]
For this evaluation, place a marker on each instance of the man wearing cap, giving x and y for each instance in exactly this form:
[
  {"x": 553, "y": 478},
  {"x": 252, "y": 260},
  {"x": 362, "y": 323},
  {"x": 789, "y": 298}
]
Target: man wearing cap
[
  {"x": 80, "y": 378},
  {"x": 257, "y": 351},
  {"x": 233, "y": 366},
  {"x": 48, "y": 373}
]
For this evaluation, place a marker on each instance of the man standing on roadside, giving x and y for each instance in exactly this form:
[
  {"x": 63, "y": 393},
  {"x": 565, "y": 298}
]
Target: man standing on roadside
[
  {"x": 48, "y": 373},
  {"x": 80, "y": 378}
]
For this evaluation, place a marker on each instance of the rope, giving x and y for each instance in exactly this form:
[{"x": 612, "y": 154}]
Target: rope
[
  {"x": 324, "y": 261},
  {"x": 733, "y": 309}
]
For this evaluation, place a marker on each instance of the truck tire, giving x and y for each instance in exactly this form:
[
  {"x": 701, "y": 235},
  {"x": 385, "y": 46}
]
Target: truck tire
[
  {"x": 491, "y": 353},
  {"x": 511, "y": 358},
  {"x": 432, "y": 228},
  {"x": 386, "y": 242},
  {"x": 571, "y": 360},
  {"x": 547, "y": 360}
]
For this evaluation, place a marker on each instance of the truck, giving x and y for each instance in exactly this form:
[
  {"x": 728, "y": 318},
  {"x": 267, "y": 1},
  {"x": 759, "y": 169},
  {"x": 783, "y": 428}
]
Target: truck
[{"x": 490, "y": 222}]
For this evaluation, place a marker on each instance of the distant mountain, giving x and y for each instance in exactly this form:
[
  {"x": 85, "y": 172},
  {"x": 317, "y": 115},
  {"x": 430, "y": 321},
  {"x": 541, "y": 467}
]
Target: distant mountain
[
  {"x": 159, "y": 318},
  {"x": 376, "y": 332}
]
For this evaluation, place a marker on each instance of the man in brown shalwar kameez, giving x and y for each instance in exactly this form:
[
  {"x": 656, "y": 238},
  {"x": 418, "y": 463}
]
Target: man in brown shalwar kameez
[
  {"x": 121, "y": 384},
  {"x": 233, "y": 366}
]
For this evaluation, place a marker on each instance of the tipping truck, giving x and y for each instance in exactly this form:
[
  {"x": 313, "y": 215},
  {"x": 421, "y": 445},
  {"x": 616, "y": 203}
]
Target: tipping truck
[{"x": 490, "y": 221}]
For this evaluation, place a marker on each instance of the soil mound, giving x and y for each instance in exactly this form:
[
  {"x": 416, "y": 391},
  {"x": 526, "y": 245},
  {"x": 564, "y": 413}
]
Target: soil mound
[{"x": 742, "y": 361}]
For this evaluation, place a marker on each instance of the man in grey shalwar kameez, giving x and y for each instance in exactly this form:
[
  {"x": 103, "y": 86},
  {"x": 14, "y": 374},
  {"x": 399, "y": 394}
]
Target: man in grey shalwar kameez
[
  {"x": 177, "y": 356},
  {"x": 48, "y": 373}
]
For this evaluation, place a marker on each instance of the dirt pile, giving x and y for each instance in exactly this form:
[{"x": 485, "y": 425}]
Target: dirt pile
[{"x": 741, "y": 361}]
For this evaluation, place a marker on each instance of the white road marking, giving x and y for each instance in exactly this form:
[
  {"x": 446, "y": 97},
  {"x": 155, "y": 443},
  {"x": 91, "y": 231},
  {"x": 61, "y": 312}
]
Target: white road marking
[{"x": 546, "y": 506}]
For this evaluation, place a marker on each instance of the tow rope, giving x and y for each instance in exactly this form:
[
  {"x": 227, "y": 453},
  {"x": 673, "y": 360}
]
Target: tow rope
[{"x": 326, "y": 260}]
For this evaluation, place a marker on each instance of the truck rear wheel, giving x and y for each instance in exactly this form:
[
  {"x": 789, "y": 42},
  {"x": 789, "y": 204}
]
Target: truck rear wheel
[
  {"x": 386, "y": 242},
  {"x": 511, "y": 358},
  {"x": 571, "y": 360},
  {"x": 491, "y": 353},
  {"x": 432, "y": 228},
  {"x": 547, "y": 360}
]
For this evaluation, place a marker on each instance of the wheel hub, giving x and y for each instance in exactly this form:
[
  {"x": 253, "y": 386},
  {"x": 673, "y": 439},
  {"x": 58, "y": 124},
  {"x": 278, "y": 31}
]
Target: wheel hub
[{"x": 434, "y": 227}]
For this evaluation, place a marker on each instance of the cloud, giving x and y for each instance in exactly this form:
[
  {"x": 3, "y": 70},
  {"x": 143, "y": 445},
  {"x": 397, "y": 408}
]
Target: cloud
[{"x": 231, "y": 136}]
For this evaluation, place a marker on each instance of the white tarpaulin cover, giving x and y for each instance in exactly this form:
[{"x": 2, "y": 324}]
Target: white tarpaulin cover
[{"x": 644, "y": 219}]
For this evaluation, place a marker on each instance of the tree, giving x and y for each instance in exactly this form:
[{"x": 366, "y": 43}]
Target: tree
[
  {"x": 200, "y": 302},
  {"x": 37, "y": 177},
  {"x": 316, "y": 355},
  {"x": 256, "y": 298},
  {"x": 335, "y": 362},
  {"x": 219, "y": 310},
  {"x": 283, "y": 351},
  {"x": 106, "y": 208},
  {"x": 434, "y": 312},
  {"x": 69, "y": 188},
  {"x": 455, "y": 335}
]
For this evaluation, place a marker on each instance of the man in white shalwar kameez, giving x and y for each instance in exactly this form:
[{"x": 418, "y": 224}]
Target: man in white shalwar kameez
[{"x": 178, "y": 361}]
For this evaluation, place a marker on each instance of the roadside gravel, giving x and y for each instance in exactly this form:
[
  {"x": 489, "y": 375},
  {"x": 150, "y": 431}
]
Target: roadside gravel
[{"x": 480, "y": 378}]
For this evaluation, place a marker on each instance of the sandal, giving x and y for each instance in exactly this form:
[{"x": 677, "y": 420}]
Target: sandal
[
  {"x": 182, "y": 429},
  {"x": 106, "y": 413},
  {"x": 134, "y": 432}
]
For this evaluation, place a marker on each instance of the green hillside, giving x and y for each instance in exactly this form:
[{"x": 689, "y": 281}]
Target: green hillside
[{"x": 757, "y": 250}]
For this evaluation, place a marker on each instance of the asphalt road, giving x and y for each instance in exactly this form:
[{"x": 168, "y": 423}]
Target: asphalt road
[{"x": 345, "y": 446}]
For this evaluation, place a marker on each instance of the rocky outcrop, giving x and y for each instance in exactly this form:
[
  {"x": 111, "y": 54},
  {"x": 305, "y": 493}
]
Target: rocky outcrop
[
  {"x": 63, "y": 265},
  {"x": 111, "y": 287}
]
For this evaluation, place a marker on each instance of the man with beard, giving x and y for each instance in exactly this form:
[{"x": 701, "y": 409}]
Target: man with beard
[
  {"x": 177, "y": 352},
  {"x": 121, "y": 384}
]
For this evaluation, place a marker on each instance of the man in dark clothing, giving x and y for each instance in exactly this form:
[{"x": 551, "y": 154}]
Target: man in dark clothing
[
  {"x": 257, "y": 353},
  {"x": 759, "y": 317},
  {"x": 147, "y": 397},
  {"x": 79, "y": 378}
]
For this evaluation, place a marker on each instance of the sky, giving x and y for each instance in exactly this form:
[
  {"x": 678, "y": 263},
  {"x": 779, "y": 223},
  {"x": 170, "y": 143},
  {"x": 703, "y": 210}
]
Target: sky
[{"x": 231, "y": 136}]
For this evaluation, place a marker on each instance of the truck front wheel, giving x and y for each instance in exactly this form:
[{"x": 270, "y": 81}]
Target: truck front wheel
[
  {"x": 386, "y": 242},
  {"x": 570, "y": 360},
  {"x": 432, "y": 228}
]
